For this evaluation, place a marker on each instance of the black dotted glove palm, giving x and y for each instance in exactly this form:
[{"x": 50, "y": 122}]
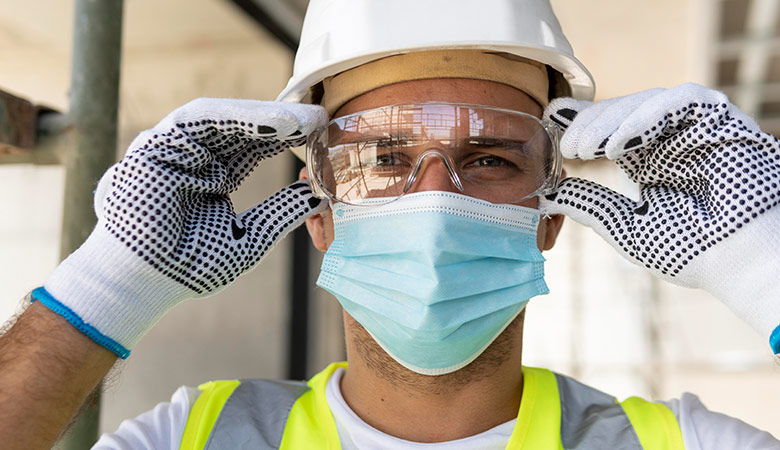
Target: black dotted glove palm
[
  {"x": 167, "y": 229},
  {"x": 709, "y": 183}
]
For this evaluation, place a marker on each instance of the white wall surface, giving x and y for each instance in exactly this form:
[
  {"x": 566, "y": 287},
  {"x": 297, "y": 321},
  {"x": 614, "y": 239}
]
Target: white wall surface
[{"x": 596, "y": 324}]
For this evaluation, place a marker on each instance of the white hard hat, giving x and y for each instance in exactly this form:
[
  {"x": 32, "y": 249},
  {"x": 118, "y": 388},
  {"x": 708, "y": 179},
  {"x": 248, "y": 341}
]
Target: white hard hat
[{"x": 339, "y": 35}]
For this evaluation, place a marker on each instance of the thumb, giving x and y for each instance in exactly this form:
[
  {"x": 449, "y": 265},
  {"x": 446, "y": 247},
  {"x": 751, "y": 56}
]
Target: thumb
[
  {"x": 271, "y": 220},
  {"x": 607, "y": 212}
]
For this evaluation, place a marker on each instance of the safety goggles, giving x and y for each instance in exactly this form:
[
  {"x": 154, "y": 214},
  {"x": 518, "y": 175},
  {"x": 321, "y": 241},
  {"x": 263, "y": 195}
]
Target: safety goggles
[{"x": 493, "y": 154}]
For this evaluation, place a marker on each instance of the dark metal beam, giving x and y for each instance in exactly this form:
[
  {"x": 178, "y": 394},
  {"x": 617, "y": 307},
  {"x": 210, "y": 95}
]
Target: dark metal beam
[
  {"x": 277, "y": 17},
  {"x": 30, "y": 134},
  {"x": 18, "y": 123},
  {"x": 300, "y": 294}
]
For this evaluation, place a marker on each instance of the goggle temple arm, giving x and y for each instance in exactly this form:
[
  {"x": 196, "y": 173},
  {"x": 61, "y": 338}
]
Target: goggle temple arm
[
  {"x": 314, "y": 183},
  {"x": 556, "y": 133}
]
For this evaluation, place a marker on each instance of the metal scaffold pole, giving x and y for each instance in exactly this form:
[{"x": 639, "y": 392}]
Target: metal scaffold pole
[{"x": 94, "y": 101}]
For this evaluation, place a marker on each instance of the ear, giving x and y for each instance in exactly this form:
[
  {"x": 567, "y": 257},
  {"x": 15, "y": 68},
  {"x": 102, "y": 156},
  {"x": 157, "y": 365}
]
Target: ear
[
  {"x": 554, "y": 224},
  {"x": 317, "y": 225}
]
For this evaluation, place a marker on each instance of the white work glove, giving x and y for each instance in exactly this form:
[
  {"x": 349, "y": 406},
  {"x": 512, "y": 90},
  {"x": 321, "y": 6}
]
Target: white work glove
[
  {"x": 709, "y": 185},
  {"x": 167, "y": 230}
]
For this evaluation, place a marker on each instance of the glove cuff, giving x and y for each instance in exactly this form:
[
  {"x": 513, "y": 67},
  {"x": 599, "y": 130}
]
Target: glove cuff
[
  {"x": 774, "y": 340},
  {"x": 109, "y": 293},
  {"x": 743, "y": 271},
  {"x": 42, "y": 295}
]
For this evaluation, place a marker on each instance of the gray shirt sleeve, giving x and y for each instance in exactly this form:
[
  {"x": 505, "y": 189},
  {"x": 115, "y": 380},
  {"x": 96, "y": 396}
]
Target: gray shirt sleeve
[{"x": 703, "y": 429}]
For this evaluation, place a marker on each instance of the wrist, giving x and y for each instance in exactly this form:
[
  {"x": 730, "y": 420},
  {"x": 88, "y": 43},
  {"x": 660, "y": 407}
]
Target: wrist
[
  {"x": 105, "y": 289},
  {"x": 42, "y": 295},
  {"x": 745, "y": 274}
]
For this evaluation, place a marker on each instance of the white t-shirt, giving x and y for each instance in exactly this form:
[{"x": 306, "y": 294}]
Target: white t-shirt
[
  {"x": 162, "y": 428},
  {"x": 355, "y": 434}
]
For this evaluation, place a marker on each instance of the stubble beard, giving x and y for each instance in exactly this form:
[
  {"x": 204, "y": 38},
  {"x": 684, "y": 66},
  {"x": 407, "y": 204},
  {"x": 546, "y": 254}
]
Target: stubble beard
[{"x": 388, "y": 369}]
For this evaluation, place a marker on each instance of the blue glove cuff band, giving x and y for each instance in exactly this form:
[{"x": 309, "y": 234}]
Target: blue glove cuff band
[
  {"x": 53, "y": 304},
  {"x": 774, "y": 340}
]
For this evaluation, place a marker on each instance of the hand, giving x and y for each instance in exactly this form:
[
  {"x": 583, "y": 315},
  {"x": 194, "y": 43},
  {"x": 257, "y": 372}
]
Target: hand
[
  {"x": 167, "y": 230},
  {"x": 709, "y": 184}
]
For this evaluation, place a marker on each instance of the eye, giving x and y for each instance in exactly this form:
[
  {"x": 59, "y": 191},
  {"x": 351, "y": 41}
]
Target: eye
[
  {"x": 388, "y": 159},
  {"x": 387, "y": 152},
  {"x": 494, "y": 153},
  {"x": 490, "y": 165},
  {"x": 490, "y": 161}
]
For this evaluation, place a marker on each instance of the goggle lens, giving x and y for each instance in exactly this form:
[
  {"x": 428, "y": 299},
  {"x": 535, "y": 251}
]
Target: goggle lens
[{"x": 494, "y": 154}]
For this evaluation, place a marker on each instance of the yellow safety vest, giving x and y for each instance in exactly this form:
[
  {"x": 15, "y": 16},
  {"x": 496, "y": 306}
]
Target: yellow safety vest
[{"x": 295, "y": 415}]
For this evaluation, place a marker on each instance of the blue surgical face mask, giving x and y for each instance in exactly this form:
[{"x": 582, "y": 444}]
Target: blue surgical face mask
[{"x": 434, "y": 277}]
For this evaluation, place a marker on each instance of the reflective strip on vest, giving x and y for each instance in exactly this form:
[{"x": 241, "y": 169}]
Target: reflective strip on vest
[
  {"x": 654, "y": 423},
  {"x": 556, "y": 412},
  {"x": 205, "y": 411},
  {"x": 592, "y": 419}
]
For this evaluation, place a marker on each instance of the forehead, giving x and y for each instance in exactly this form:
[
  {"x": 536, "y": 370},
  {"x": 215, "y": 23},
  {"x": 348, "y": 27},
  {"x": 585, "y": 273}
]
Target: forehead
[{"x": 456, "y": 90}]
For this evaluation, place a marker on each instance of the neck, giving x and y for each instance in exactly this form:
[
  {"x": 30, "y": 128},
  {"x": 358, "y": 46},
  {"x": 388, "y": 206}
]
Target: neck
[{"x": 422, "y": 408}]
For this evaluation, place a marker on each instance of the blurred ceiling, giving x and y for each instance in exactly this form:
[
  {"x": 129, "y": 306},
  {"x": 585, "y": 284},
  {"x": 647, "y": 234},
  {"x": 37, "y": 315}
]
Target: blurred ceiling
[{"x": 746, "y": 58}]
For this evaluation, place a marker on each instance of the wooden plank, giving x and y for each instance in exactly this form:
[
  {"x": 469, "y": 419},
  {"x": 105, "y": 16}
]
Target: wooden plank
[{"x": 18, "y": 122}]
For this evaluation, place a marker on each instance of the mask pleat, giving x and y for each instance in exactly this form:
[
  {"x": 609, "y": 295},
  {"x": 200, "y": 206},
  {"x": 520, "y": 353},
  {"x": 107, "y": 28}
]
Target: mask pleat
[{"x": 421, "y": 280}]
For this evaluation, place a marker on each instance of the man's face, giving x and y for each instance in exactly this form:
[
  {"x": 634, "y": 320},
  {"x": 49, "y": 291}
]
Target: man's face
[{"x": 434, "y": 175}]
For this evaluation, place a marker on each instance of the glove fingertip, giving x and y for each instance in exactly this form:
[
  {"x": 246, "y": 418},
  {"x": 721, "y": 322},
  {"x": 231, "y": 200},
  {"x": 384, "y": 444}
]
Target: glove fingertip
[
  {"x": 310, "y": 117},
  {"x": 317, "y": 204},
  {"x": 562, "y": 111},
  {"x": 290, "y": 205}
]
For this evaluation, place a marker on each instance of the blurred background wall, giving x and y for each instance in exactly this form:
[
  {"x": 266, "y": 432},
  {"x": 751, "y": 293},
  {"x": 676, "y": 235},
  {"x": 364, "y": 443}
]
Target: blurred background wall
[{"x": 605, "y": 321}]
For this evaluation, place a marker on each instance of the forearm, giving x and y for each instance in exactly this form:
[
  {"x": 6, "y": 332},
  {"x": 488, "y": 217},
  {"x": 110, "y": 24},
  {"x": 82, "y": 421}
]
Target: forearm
[{"x": 47, "y": 369}]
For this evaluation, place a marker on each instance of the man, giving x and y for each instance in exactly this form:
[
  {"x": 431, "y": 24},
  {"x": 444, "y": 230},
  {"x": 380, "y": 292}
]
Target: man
[{"x": 443, "y": 188}]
